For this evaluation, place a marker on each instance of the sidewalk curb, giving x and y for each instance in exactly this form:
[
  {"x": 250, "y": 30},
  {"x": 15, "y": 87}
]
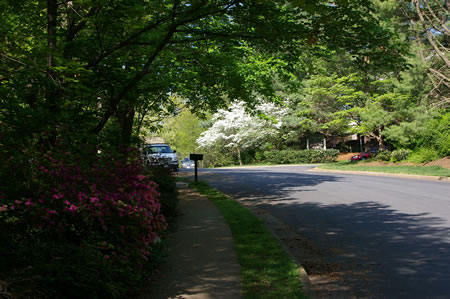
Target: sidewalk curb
[
  {"x": 383, "y": 174},
  {"x": 267, "y": 218}
]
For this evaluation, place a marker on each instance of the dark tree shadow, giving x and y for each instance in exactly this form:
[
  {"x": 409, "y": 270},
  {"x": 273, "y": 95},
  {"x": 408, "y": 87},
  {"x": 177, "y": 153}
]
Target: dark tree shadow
[
  {"x": 385, "y": 253},
  {"x": 257, "y": 184}
]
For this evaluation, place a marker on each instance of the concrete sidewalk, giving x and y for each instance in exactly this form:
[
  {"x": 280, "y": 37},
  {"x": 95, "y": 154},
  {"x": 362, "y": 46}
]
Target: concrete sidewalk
[{"x": 202, "y": 262}]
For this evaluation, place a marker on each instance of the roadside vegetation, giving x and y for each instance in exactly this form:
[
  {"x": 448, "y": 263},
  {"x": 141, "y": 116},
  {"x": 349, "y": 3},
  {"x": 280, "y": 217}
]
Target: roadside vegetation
[
  {"x": 389, "y": 168},
  {"x": 86, "y": 225},
  {"x": 267, "y": 271}
]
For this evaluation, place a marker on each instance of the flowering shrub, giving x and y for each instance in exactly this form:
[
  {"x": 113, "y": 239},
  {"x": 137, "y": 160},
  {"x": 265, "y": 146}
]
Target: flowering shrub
[
  {"x": 103, "y": 203},
  {"x": 113, "y": 198}
]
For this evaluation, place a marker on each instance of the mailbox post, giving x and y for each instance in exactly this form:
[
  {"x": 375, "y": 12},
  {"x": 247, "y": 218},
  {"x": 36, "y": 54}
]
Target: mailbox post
[{"x": 196, "y": 158}]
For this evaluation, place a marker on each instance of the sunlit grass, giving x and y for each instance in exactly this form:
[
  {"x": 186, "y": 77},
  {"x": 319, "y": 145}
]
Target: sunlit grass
[{"x": 405, "y": 169}]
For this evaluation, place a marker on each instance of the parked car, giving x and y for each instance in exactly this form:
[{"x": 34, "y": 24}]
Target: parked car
[
  {"x": 366, "y": 155},
  {"x": 160, "y": 154},
  {"x": 186, "y": 163}
]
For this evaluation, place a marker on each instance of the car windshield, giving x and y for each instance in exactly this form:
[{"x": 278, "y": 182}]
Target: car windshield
[{"x": 159, "y": 149}]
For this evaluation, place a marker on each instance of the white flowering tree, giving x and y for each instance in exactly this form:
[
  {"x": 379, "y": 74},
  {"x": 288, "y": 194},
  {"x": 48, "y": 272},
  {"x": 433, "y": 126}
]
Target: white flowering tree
[{"x": 236, "y": 130}]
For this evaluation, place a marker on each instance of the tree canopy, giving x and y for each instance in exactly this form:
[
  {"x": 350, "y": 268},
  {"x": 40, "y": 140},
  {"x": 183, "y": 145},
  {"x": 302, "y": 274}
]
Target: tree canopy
[
  {"x": 88, "y": 66},
  {"x": 332, "y": 92}
]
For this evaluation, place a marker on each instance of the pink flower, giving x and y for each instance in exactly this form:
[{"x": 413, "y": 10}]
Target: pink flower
[
  {"x": 72, "y": 209},
  {"x": 58, "y": 195},
  {"x": 51, "y": 212}
]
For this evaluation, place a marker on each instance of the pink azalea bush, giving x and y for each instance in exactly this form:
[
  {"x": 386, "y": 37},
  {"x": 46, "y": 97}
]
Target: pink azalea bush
[
  {"x": 103, "y": 202},
  {"x": 111, "y": 199}
]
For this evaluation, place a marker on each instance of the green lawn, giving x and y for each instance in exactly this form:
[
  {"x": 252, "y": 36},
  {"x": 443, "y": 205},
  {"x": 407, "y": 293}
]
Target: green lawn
[
  {"x": 405, "y": 169},
  {"x": 266, "y": 269}
]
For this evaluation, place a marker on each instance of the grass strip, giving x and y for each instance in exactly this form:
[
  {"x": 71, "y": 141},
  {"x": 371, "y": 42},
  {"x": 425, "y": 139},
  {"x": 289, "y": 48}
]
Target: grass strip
[
  {"x": 405, "y": 169},
  {"x": 266, "y": 269}
]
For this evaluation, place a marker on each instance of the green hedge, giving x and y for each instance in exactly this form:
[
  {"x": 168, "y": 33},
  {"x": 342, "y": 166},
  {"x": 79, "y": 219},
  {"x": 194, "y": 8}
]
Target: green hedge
[
  {"x": 384, "y": 155},
  {"x": 301, "y": 156},
  {"x": 400, "y": 155}
]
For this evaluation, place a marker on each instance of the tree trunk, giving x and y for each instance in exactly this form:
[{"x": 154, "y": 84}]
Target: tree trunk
[
  {"x": 116, "y": 100},
  {"x": 379, "y": 138},
  {"x": 126, "y": 120},
  {"x": 361, "y": 143},
  {"x": 239, "y": 156},
  {"x": 52, "y": 12},
  {"x": 51, "y": 86},
  {"x": 50, "y": 92}
]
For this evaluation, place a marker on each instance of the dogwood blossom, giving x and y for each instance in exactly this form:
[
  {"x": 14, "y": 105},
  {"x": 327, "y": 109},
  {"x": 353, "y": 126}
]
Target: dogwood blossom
[{"x": 236, "y": 129}]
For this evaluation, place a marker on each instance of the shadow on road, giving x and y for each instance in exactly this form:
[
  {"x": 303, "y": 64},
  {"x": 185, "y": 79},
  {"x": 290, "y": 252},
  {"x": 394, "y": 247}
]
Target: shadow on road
[
  {"x": 375, "y": 250},
  {"x": 401, "y": 255},
  {"x": 264, "y": 183}
]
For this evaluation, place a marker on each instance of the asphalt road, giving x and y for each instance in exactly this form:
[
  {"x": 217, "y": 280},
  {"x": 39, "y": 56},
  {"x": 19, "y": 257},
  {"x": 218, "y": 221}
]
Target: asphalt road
[{"x": 376, "y": 237}]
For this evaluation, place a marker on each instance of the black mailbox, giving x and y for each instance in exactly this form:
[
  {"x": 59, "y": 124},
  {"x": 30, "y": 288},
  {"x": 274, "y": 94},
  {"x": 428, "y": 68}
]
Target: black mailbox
[{"x": 196, "y": 158}]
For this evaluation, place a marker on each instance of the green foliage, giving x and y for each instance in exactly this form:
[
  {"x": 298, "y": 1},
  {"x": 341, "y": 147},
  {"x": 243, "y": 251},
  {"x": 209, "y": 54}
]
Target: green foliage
[
  {"x": 216, "y": 157},
  {"x": 61, "y": 269},
  {"x": 407, "y": 132},
  {"x": 384, "y": 155},
  {"x": 330, "y": 102},
  {"x": 166, "y": 188},
  {"x": 400, "y": 155},
  {"x": 436, "y": 135},
  {"x": 89, "y": 71},
  {"x": 181, "y": 132},
  {"x": 301, "y": 156},
  {"x": 428, "y": 133},
  {"x": 423, "y": 155}
]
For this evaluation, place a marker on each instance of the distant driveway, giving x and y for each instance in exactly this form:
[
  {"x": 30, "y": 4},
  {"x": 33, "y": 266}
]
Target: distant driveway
[{"x": 355, "y": 235}]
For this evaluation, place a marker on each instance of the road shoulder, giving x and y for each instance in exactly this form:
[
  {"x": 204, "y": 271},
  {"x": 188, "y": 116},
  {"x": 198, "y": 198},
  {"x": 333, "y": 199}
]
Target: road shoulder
[{"x": 383, "y": 174}]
